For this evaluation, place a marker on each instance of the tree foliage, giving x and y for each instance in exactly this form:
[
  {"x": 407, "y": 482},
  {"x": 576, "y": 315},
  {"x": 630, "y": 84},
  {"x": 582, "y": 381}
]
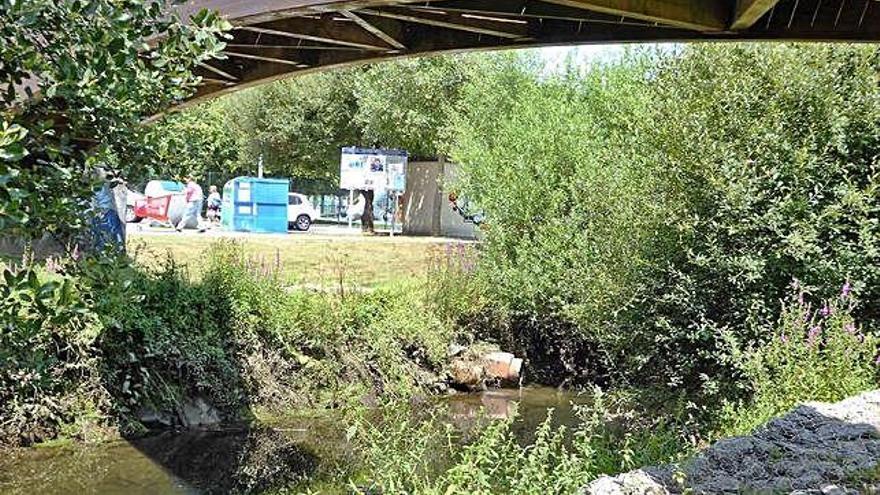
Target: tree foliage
[
  {"x": 770, "y": 151},
  {"x": 568, "y": 232},
  {"x": 409, "y": 104},
  {"x": 193, "y": 143},
  {"x": 298, "y": 125},
  {"x": 78, "y": 76},
  {"x": 662, "y": 205}
]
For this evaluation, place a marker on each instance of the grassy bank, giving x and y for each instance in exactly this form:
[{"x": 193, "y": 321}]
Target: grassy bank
[
  {"x": 311, "y": 260},
  {"x": 98, "y": 342}
]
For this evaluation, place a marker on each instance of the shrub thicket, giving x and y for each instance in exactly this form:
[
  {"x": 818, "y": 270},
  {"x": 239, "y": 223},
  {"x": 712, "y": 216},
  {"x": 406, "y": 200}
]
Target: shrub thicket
[
  {"x": 46, "y": 367},
  {"x": 655, "y": 209},
  {"x": 102, "y": 339}
]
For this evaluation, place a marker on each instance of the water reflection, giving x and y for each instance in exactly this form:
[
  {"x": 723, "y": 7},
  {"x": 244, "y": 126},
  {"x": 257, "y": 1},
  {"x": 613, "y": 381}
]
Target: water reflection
[
  {"x": 528, "y": 405},
  {"x": 243, "y": 460},
  {"x": 227, "y": 461}
]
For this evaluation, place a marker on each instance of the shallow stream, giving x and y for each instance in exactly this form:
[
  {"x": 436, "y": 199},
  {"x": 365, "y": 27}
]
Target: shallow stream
[{"x": 293, "y": 451}]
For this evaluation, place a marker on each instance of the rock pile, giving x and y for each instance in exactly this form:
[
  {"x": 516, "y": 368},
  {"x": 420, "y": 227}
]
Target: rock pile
[
  {"x": 474, "y": 368},
  {"x": 817, "y": 448}
]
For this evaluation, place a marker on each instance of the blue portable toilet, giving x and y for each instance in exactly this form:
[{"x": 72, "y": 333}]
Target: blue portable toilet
[{"x": 252, "y": 204}]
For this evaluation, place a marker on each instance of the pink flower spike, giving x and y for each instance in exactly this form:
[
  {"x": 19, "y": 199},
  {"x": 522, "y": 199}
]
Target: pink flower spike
[
  {"x": 850, "y": 328},
  {"x": 846, "y": 289}
]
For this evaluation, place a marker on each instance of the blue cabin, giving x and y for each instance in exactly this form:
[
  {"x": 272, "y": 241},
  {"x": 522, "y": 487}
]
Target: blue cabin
[{"x": 251, "y": 204}]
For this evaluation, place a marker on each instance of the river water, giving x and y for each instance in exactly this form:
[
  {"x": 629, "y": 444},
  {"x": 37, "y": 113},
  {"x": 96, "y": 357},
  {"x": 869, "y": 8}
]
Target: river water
[{"x": 301, "y": 451}]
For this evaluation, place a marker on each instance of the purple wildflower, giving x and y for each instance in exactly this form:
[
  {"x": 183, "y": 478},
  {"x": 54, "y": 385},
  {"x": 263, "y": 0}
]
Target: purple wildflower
[
  {"x": 783, "y": 338},
  {"x": 469, "y": 266},
  {"x": 850, "y": 328},
  {"x": 846, "y": 289},
  {"x": 814, "y": 334},
  {"x": 826, "y": 310}
]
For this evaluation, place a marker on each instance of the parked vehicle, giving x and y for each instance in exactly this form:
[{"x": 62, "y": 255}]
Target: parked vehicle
[{"x": 300, "y": 212}]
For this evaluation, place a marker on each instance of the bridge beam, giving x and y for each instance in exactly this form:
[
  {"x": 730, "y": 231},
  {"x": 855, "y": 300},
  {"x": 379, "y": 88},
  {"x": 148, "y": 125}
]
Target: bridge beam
[
  {"x": 698, "y": 15},
  {"x": 325, "y": 28},
  {"x": 461, "y": 22},
  {"x": 374, "y": 29},
  {"x": 749, "y": 11},
  {"x": 265, "y": 58}
]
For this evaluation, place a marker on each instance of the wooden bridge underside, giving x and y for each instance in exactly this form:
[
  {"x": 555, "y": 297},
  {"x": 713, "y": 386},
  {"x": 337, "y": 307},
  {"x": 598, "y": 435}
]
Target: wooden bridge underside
[{"x": 278, "y": 38}]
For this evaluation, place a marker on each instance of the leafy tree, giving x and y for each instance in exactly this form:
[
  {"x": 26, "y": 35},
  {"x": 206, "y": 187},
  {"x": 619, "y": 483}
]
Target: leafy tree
[
  {"x": 409, "y": 103},
  {"x": 78, "y": 77},
  {"x": 297, "y": 125},
  {"x": 200, "y": 143}
]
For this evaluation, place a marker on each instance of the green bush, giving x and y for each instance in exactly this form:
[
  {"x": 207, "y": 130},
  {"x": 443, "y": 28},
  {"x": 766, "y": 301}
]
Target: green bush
[
  {"x": 46, "y": 338},
  {"x": 164, "y": 337},
  {"x": 650, "y": 213},
  {"x": 567, "y": 233},
  {"x": 774, "y": 175}
]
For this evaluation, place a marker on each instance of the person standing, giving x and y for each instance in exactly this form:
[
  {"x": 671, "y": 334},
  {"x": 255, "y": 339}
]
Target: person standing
[
  {"x": 108, "y": 229},
  {"x": 194, "y": 199},
  {"x": 214, "y": 202}
]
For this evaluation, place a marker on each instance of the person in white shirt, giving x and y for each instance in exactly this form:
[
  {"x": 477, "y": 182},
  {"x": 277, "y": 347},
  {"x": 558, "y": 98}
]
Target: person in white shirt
[{"x": 214, "y": 202}]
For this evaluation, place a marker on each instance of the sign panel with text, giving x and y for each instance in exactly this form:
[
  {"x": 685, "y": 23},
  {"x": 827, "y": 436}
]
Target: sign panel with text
[{"x": 373, "y": 169}]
